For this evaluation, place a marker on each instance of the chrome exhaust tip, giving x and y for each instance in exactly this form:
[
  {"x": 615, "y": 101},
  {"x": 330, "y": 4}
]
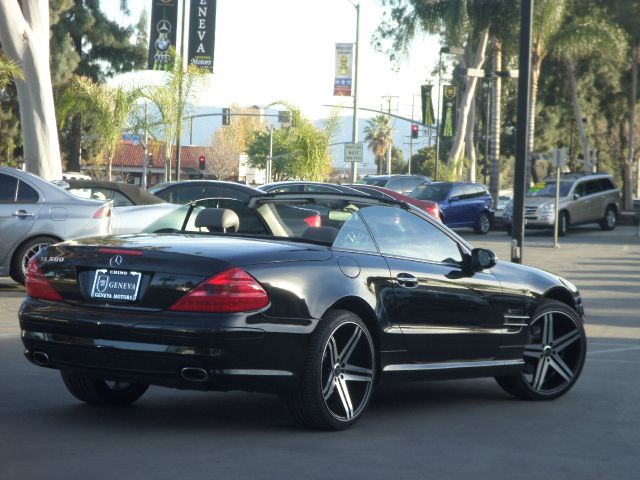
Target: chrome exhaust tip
[
  {"x": 40, "y": 358},
  {"x": 193, "y": 374}
]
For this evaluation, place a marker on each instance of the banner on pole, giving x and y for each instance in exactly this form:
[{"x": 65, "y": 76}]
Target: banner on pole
[
  {"x": 162, "y": 38},
  {"x": 449, "y": 98},
  {"x": 202, "y": 32},
  {"x": 427, "y": 105},
  {"x": 344, "y": 70}
]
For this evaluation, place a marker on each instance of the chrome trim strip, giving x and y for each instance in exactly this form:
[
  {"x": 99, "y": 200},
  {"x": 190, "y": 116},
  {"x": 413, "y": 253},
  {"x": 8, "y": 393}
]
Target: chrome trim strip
[
  {"x": 520, "y": 317},
  {"x": 443, "y": 330},
  {"x": 519, "y": 325},
  {"x": 412, "y": 367},
  {"x": 121, "y": 345},
  {"x": 278, "y": 373}
]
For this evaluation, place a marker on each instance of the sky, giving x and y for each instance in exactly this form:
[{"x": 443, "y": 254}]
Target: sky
[{"x": 285, "y": 50}]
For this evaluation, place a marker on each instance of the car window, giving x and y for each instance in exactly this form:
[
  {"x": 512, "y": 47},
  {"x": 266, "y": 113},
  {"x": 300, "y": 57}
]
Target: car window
[
  {"x": 320, "y": 188},
  {"x": 353, "y": 235},
  {"x": 404, "y": 234},
  {"x": 458, "y": 191},
  {"x": 172, "y": 221},
  {"x": 436, "y": 192},
  {"x": 284, "y": 189},
  {"x": 394, "y": 184},
  {"x": 185, "y": 194},
  {"x": 235, "y": 193},
  {"x": 379, "y": 182},
  {"x": 580, "y": 190},
  {"x": 8, "y": 187},
  {"x": 410, "y": 183},
  {"x": 119, "y": 200},
  {"x": 549, "y": 189},
  {"x": 591, "y": 187},
  {"x": 26, "y": 194},
  {"x": 606, "y": 184}
]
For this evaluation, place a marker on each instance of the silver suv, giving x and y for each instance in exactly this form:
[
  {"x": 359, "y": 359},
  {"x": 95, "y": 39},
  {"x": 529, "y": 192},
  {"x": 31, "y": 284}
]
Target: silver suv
[{"x": 584, "y": 198}]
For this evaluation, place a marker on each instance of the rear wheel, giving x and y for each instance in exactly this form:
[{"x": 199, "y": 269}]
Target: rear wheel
[
  {"x": 553, "y": 357},
  {"x": 102, "y": 392},
  {"x": 483, "y": 224},
  {"x": 610, "y": 219},
  {"x": 339, "y": 374},
  {"x": 24, "y": 253}
]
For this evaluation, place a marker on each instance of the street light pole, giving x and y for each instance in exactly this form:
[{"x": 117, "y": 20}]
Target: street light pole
[
  {"x": 439, "y": 113},
  {"x": 354, "y": 134}
]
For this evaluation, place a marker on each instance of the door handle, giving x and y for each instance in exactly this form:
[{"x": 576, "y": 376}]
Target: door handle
[
  {"x": 23, "y": 214},
  {"x": 407, "y": 280}
]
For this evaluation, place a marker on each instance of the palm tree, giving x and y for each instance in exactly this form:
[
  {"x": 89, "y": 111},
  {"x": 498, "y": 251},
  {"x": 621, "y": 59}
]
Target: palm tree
[
  {"x": 8, "y": 71},
  {"x": 104, "y": 109},
  {"x": 378, "y": 134}
]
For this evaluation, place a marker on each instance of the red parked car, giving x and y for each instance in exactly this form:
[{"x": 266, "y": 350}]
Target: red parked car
[{"x": 381, "y": 192}]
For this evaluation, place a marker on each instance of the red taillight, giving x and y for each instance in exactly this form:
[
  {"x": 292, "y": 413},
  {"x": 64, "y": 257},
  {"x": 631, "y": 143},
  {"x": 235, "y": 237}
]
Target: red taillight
[
  {"x": 103, "y": 212},
  {"x": 37, "y": 284},
  {"x": 233, "y": 290},
  {"x": 314, "y": 221},
  {"x": 434, "y": 211}
]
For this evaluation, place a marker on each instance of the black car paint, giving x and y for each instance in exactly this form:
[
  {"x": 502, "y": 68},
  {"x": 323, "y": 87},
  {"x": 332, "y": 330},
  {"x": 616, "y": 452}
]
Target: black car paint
[{"x": 463, "y": 315}]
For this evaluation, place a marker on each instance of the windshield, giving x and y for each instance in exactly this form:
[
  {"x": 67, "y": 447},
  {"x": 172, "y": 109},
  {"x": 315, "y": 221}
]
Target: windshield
[
  {"x": 436, "y": 192},
  {"x": 380, "y": 182},
  {"x": 549, "y": 190}
]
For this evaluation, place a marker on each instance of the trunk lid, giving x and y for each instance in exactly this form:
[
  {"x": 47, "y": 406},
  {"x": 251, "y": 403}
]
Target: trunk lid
[{"x": 154, "y": 271}]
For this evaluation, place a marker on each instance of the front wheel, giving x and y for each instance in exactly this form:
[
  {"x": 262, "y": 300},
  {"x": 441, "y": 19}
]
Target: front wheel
[
  {"x": 483, "y": 224},
  {"x": 339, "y": 374},
  {"x": 553, "y": 357},
  {"x": 610, "y": 219},
  {"x": 102, "y": 392}
]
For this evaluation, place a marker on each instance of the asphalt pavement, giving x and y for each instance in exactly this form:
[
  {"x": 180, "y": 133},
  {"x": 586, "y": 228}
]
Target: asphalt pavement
[{"x": 432, "y": 430}]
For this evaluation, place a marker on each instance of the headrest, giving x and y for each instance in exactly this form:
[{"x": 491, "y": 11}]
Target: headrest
[{"x": 218, "y": 220}]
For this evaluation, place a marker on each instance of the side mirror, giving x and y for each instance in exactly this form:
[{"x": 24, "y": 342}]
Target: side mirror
[
  {"x": 576, "y": 196},
  {"x": 482, "y": 259},
  {"x": 454, "y": 198}
]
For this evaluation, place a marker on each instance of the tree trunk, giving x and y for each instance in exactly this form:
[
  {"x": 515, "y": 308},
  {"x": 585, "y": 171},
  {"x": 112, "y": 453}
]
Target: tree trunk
[
  {"x": 74, "y": 158},
  {"x": 633, "y": 102},
  {"x": 530, "y": 170},
  {"x": 577, "y": 112},
  {"x": 494, "y": 134},
  {"x": 470, "y": 145},
  {"x": 167, "y": 162},
  {"x": 467, "y": 98},
  {"x": 24, "y": 34}
]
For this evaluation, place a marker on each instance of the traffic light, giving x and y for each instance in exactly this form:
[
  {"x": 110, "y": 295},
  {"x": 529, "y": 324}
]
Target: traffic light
[
  {"x": 226, "y": 118},
  {"x": 414, "y": 130},
  {"x": 202, "y": 163}
]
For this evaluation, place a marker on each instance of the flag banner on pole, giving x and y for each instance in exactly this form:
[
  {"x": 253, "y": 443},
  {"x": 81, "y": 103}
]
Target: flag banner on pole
[
  {"x": 427, "y": 105},
  {"x": 449, "y": 94},
  {"x": 344, "y": 69},
  {"x": 202, "y": 32},
  {"x": 162, "y": 38}
]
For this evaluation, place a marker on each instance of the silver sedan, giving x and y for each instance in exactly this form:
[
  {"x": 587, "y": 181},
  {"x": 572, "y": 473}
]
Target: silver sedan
[{"x": 35, "y": 213}]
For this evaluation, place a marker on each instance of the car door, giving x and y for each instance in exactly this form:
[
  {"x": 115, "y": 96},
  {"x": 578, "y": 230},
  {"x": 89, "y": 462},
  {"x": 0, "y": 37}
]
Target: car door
[
  {"x": 579, "y": 206},
  {"x": 454, "y": 208},
  {"x": 443, "y": 313},
  {"x": 19, "y": 209},
  {"x": 596, "y": 199}
]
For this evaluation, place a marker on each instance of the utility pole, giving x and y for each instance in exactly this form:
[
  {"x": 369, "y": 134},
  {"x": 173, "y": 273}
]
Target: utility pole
[
  {"x": 388, "y": 99},
  {"x": 413, "y": 102},
  {"x": 180, "y": 104},
  {"x": 354, "y": 134}
]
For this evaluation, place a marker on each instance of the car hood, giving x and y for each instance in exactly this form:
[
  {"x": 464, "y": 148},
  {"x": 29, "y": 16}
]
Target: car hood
[{"x": 523, "y": 279}]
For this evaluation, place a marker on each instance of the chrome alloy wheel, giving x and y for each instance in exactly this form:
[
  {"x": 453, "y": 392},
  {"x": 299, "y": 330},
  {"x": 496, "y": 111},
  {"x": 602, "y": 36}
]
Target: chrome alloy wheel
[
  {"x": 347, "y": 371},
  {"x": 30, "y": 253},
  {"x": 610, "y": 218},
  {"x": 556, "y": 354},
  {"x": 484, "y": 223}
]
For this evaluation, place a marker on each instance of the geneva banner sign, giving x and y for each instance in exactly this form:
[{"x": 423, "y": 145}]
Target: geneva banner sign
[
  {"x": 202, "y": 28},
  {"x": 344, "y": 69},
  {"x": 162, "y": 38}
]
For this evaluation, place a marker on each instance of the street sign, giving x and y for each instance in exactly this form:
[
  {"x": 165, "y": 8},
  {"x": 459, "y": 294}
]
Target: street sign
[
  {"x": 558, "y": 158},
  {"x": 353, "y": 152},
  {"x": 284, "y": 116}
]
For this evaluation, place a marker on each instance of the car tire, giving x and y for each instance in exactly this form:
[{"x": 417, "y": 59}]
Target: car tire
[
  {"x": 554, "y": 355},
  {"x": 483, "y": 224},
  {"x": 339, "y": 374},
  {"x": 563, "y": 224},
  {"x": 102, "y": 392},
  {"x": 23, "y": 254},
  {"x": 610, "y": 219}
]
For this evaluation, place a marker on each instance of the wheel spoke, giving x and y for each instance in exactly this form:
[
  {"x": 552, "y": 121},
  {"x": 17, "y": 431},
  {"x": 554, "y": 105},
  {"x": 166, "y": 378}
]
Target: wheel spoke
[
  {"x": 343, "y": 391},
  {"x": 329, "y": 387},
  {"x": 534, "y": 351},
  {"x": 565, "y": 340},
  {"x": 345, "y": 355},
  {"x": 357, "y": 374},
  {"x": 541, "y": 373},
  {"x": 333, "y": 351},
  {"x": 561, "y": 367},
  {"x": 547, "y": 329}
]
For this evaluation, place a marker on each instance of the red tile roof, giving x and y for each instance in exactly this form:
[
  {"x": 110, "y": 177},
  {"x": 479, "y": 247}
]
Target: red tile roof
[{"x": 131, "y": 155}]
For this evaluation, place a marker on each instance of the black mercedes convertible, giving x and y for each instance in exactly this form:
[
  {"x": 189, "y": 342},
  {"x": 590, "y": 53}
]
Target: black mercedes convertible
[{"x": 225, "y": 295}]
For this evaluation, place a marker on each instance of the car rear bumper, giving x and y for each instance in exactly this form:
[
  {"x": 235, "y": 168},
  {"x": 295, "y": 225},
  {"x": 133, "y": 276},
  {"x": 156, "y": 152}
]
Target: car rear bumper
[{"x": 253, "y": 353}]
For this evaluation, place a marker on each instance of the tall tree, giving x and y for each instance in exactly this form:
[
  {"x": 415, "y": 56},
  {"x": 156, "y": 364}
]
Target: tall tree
[
  {"x": 105, "y": 109},
  {"x": 378, "y": 134},
  {"x": 24, "y": 35}
]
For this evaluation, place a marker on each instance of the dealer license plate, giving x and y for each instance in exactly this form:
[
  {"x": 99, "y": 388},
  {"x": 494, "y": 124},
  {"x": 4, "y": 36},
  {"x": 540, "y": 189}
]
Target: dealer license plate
[{"x": 120, "y": 285}]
